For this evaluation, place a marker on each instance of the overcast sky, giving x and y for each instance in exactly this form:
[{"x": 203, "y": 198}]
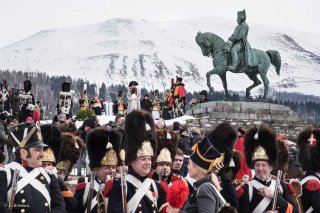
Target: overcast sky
[{"x": 22, "y": 18}]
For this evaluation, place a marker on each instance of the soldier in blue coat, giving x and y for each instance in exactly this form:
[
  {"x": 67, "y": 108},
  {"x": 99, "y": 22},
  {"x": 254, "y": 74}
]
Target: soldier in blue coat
[
  {"x": 36, "y": 190},
  {"x": 142, "y": 194}
]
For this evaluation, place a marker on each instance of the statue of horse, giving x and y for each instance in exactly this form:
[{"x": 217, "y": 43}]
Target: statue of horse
[{"x": 212, "y": 46}]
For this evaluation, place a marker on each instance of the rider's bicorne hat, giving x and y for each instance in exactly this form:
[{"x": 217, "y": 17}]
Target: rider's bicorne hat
[
  {"x": 27, "y": 135},
  {"x": 242, "y": 15},
  {"x": 140, "y": 139},
  {"x": 133, "y": 83},
  {"x": 223, "y": 138},
  {"x": 103, "y": 147},
  {"x": 309, "y": 149}
]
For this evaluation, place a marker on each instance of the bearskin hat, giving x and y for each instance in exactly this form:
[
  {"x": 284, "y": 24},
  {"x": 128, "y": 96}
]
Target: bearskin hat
[
  {"x": 66, "y": 86},
  {"x": 223, "y": 138},
  {"x": 260, "y": 144},
  {"x": 27, "y": 85},
  {"x": 309, "y": 149},
  {"x": 167, "y": 145},
  {"x": 71, "y": 146},
  {"x": 283, "y": 157},
  {"x": 52, "y": 137},
  {"x": 139, "y": 127},
  {"x": 119, "y": 93},
  {"x": 120, "y": 131},
  {"x": 103, "y": 147}
]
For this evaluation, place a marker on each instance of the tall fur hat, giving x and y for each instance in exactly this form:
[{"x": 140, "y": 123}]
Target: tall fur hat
[
  {"x": 27, "y": 85},
  {"x": 120, "y": 131},
  {"x": 260, "y": 144},
  {"x": 283, "y": 157},
  {"x": 52, "y": 137},
  {"x": 66, "y": 86},
  {"x": 140, "y": 137},
  {"x": 167, "y": 145},
  {"x": 223, "y": 138},
  {"x": 103, "y": 147},
  {"x": 70, "y": 151},
  {"x": 309, "y": 149}
]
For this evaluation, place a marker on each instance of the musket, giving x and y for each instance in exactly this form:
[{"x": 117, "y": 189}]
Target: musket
[
  {"x": 276, "y": 191},
  {"x": 14, "y": 188},
  {"x": 177, "y": 106},
  {"x": 91, "y": 189},
  {"x": 123, "y": 189}
]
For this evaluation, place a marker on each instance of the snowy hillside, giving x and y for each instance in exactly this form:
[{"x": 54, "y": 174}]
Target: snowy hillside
[{"x": 120, "y": 50}]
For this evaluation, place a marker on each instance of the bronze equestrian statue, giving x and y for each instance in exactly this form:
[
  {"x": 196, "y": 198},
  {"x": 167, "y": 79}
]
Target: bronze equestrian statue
[{"x": 242, "y": 58}]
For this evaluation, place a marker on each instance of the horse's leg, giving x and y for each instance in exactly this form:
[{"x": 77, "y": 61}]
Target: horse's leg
[
  {"x": 256, "y": 82},
  {"x": 208, "y": 80},
  {"x": 219, "y": 68},
  {"x": 225, "y": 86},
  {"x": 266, "y": 85}
]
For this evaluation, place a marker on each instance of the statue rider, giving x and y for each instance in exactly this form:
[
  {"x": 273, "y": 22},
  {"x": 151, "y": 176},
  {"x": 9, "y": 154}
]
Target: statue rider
[{"x": 238, "y": 42}]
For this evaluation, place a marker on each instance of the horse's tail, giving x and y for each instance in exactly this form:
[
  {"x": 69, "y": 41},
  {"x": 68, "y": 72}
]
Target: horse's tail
[{"x": 275, "y": 59}]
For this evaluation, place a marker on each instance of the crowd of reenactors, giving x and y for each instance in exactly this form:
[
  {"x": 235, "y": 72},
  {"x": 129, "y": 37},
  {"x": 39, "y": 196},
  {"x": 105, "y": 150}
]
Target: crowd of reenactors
[
  {"x": 138, "y": 164},
  {"x": 172, "y": 105}
]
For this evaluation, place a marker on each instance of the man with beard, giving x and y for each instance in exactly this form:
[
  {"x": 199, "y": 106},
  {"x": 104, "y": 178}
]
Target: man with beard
[
  {"x": 37, "y": 191},
  {"x": 261, "y": 155},
  {"x": 103, "y": 151},
  {"x": 167, "y": 146},
  {"x": 141, "y": 193}
]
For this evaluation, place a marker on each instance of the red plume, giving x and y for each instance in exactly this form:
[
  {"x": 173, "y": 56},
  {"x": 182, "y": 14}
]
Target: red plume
[{"x": 177, "y": 194}]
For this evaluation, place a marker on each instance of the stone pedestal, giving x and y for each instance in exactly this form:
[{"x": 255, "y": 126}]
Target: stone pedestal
[{"x": 246, "y": 114}]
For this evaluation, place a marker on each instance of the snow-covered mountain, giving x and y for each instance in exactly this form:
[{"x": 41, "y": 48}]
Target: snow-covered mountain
[{"x": 120, "y": 50}]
